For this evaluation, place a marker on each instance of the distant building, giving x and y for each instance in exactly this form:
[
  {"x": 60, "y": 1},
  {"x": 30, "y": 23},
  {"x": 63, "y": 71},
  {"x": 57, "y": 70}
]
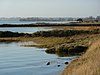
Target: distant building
[
  {"x": 89, "y": 19},
  {"x": 98, "y": 18}
]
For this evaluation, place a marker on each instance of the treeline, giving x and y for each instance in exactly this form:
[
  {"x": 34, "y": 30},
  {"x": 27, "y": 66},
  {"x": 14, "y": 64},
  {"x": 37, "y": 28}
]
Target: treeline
[
  {"x": 42, "y": 19},
  {"x": 32, "y": 25},
  {"x": 64, "y": 33},
  {"x": 47, "y": 25}
]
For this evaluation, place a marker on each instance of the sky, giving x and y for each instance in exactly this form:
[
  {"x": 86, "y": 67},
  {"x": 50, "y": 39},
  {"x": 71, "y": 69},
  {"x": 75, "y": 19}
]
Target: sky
[{"x": 49, "y": 8}]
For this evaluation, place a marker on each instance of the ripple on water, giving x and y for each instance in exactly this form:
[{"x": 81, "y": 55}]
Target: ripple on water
[{"x": 16, "y": 60}]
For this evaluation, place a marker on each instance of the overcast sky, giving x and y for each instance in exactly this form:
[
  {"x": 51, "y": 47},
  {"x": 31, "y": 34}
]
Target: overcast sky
[{"x": 49, "y": 8}]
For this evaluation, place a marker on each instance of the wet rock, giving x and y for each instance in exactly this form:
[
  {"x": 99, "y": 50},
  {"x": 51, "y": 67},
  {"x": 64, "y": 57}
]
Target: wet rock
[
  {"x": 51, "y": 50},
  {"x": 66, "y": 63},
  {"x": 77, "y": 49},
  {"x": 58, "y": 65},
  {"x": 48, "y": 63}
]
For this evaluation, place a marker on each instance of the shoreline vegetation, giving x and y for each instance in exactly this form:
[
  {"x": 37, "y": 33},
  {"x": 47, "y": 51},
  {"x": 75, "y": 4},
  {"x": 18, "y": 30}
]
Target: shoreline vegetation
[
  {"x": 87, "y": 64},
  {"x": 67, "y": 42},
  {"x": 51, "y": 25}
]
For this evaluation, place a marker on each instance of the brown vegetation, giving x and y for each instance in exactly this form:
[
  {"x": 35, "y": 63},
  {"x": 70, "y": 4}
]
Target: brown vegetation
[
  {"x": 52, "y": 25},
  {"x": 69, "y": 42},
  {"x": 87, "y": 64}
]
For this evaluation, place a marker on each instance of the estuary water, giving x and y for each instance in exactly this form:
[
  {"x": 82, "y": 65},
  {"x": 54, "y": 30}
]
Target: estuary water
[
  {"x": 32, "y": 22},
  {"x": 27, "y": 29},
  {"x": 18, "y": 60}
]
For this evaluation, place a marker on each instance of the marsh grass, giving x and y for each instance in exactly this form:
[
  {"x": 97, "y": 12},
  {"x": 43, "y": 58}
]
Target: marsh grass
[
  {"x": 87, "y": 64},
  {"x": 56, "y": 40},
  {"x": 90, "y": 22}
]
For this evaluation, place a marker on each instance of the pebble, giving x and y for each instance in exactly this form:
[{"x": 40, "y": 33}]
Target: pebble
[
  {"x": 48, "y": 63},
  {"x": 66, "y": 63},
  {"x": 58, "y": 65}
]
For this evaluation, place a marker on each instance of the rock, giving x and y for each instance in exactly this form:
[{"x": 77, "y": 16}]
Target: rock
[
  {"x": 77, "y": 49},
  {"x": 58, "y": 65},
  {"x": 66, "y": 63},
  {"x": 48, "y": 63},
  {"x": 50, "y": 50}
]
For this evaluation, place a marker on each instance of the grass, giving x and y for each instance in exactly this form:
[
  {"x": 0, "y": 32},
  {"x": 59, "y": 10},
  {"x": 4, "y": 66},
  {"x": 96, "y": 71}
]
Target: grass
[
  {"x": 90, "y": 22},
  {"x": 80, "y": 27},
  {"x": 52, "y": 25},
  {"x": 87, "y": 64},
  {"x": 48, "y": 42},
  {"x": 58, "y": 41},
  {"x": 41, "y": 41},
  {"x": 64, "y": 33},
  {"x": 58, "y": 45}
]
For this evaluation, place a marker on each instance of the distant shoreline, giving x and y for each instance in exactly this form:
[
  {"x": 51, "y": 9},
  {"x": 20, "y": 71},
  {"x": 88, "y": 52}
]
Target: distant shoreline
[{"x": 46, "y": 25}]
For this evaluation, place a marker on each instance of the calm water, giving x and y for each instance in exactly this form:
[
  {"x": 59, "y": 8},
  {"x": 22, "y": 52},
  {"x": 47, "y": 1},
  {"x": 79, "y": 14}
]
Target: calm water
[
  {"x": 27, "y": 29},
  {"x": 18, "y": 60},
  {"x": 30, "y": 22},
  {"x": 15, "y": 22}
]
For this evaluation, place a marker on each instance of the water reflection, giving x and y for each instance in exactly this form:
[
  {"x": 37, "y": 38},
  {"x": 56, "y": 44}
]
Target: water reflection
[
  {"x": 16, "y": 60},
  {"x": 8, "y": 42},
  {"x": 28, "y": 29},
  {"x": 59, "y": 54},
  {"x": 14, "y": 43},
  {"x": 20, "y": 43},
  {"x": 63, "y": 54}
]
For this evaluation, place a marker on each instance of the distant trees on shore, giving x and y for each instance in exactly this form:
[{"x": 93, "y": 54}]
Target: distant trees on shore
[{"x": 80, "y": 20}]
